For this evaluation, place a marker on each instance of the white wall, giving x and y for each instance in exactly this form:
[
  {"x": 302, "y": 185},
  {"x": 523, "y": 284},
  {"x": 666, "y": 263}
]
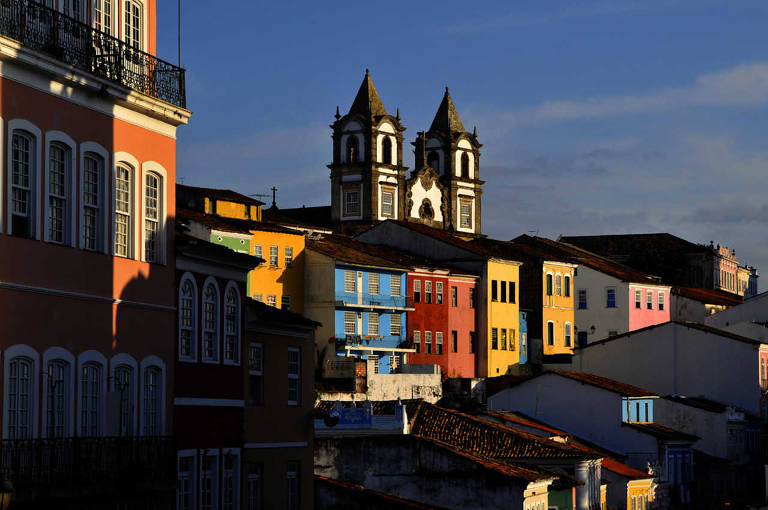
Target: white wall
[
  {"x": 686, "y": 309},
  {"x": 752, "y": 310},
  {"x": 604, "y": 319},
  {"x": 711, "y": 427},
  {"x": 674, "y": 359},
  {"x": 581, "y": 409}
]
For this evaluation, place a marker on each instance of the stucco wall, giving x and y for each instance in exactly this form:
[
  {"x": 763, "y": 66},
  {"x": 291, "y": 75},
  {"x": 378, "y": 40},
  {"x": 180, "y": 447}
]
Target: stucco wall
[
  {"x": 711, "y": 427},
  {"x": 405, "y": 386},
  {"x": 752, "y": 310},
  {"x": 643, "y": 317},
  {"x": 596, "y": 314}
]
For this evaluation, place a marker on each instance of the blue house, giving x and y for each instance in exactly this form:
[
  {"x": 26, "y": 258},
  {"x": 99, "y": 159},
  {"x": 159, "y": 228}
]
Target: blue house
[{"x": 359, "y": 294}]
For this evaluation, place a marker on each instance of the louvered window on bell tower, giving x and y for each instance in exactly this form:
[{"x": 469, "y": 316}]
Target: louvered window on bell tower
[
  {"x": 386, "y": 150},
  {"x": 433, "y": 161},
  {"x": 464, "y": 165},
  {"x": 352, "y": 149}
]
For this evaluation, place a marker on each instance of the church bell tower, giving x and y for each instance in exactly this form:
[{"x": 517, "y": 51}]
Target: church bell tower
[{"x": 367, "y": 172}]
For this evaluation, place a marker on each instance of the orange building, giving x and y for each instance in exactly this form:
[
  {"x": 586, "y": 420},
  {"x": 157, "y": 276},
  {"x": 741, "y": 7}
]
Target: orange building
[{"x": 88, "y": 120}]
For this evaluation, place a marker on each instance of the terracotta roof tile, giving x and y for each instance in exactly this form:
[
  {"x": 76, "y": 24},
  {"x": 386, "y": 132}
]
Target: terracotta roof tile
[
  {"x": 662, "y": 432},
  {"x": 379, "y": 407},
  {"x": 349, "y": 251},
  {"x": 624, "y": 470},
  {"x": 446, "y": 237},
  {"x": 709, "y": 296},
  {"x": 626, "y": 390}
]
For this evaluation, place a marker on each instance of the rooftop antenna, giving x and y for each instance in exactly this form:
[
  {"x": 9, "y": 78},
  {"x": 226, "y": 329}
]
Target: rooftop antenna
[{"x": 274, "y": 196}]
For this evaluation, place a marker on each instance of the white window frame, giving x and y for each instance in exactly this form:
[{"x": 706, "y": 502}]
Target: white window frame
[
  {"x": 427, "y": 342},
  {"x": 186, "y": 454},
  {"x": 550, "y": 339},
  {"x": 110, "y": 28},
  {"x": 35, "y": 174},
  {"x": 132, "y": 165},
  {"x": 188, "y": 277},
  {"x": 216, "y": 322},
  {"x": 648, "y": 299},
  {"x": 568, "y": 334},
  {"x": 147, "y": 363},
  {"x": 350, "y": 281},
  {"x": 116, "y": 362},
  {"x": 438, "y": 293},
  {"x": 256, "y": 369},
  {"x": 274, "y": 256},
  {"x": 238, "y": 321},
  {"x": 638, "y": 298},
  {"x": 96, "y": 358},
  {"x": 234, "y": 452},
  {"x": 147, "y": 168},
  {"x": 258, "y": 251},
  {"x": 374, "y": 331},
  {"x": 102, "y": 239},
  {"x": 297, "y": 502},
  {"x": 294, "y": 376},
  {"x": 395, "y": 329},
  {"x": 254, "y": 499},
  {"x": 615, "y": 303},
  {"x": 660, "y": 300},
  {"x": 417, "y": 340},
  {"x": 143, "y": 21},
  {"x": 558, "y": 284},
  {"x": 438, "y": 342},
  {"x": 347, "y": 187},
  {"x": 213, "y": 452},
  {"x": 374, "y": 281},
  {"x": 288, "y": 251},
  {"x": 58, "y": 354},
  {"x": 353, "y": 323},
  {"x": 22, "y": 351},
  {"x": 395, "y": 285},
  {"x": 69, "y": 220},
  {"x": 272, "y": 300}
]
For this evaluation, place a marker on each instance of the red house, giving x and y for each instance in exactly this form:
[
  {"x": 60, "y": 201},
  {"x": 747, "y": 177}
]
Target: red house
[{"x": 442, "y": 326}]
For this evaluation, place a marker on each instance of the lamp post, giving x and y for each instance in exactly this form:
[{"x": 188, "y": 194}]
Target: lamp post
[{"x": 6, "y": 492}]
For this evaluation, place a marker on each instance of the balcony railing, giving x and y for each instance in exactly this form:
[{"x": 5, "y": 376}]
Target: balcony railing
[
  {"x": 87, "y": 462},
  {"x": 79, "y": 45},
  {"x": 372, "y": 300}
]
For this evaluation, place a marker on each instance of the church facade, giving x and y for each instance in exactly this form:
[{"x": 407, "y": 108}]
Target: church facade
[{"x": 369, "y": 182}]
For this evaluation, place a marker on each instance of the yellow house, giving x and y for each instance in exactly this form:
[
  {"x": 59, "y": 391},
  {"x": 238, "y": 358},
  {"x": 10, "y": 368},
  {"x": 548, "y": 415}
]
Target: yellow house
[
  {"x": 502, "y": 308},
  {"x": 557, "y": 310},
  {"x": 640, "y": 493}
]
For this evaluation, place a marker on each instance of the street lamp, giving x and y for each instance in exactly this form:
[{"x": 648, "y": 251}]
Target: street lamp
[{"x": 6, "y": 493}]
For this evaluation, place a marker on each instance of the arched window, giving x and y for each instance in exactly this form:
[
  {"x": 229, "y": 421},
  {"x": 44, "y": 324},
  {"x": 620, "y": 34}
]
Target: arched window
[
  {"x": 151, "y": 392},
  {"x": 386, "y": 150},
  {"x": 23, "y": 185},
  {"x": 59, "y": 193},
  {"x": 211, "y": 322},
  {"x": 152, "y": 216},
  {"x": 187, "y": 319},
  {"x": 123, "y": 382},
  {"x": 433, "y": 161},
  {"x": 123, "y": 197},
  {"x": 465, "y": 165},
  {"x": 90, "y": 399},
  {"x": 93, "y": 202},
  {"x": 58, "y": 408},
  {"x": 232, "y": 325},
  {"x": 352, "y": 149},
  {"x": 20, "y": 398}
]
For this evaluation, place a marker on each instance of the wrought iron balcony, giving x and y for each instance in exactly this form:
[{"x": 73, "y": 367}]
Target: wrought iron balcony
[
  {"x": 41, "y": 28},
  {"x": 84, "y": 462},
  {"x": 372, "y": 301}
]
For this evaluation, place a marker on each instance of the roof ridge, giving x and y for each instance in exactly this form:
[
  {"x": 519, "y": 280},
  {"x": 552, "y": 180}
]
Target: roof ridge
[
  {"x": 447, "y": 118},
  {"x": 367, "y": 101}
]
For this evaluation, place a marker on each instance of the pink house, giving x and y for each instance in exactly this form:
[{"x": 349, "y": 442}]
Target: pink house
[{"x": 648, "y": 305}]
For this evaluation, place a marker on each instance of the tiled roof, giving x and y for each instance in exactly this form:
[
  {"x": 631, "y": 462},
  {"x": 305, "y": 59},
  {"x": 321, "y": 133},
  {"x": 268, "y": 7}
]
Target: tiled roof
[
  {"x": 484, "y": 438},
  {"x": 564, "y": 252},
  {"x": 622, "y": 244},
  {"x": 219, "y": 194},
  {"x": 446, "y": 237},
  {"x": 258, "y": 312},
  {"x": 379, "y": 407},
  {"x": 193, "y": 247},
  {"x": 709, "y": 296},
  {"x": 318, "y": 217},
  {"x": 360, "y": 494},
  {"x": 516, "y": 251},
  {"x": 662, "y": 432},
  {"x": 687, "y": 324},
  {"x": 624, "y": 470},
  {"x": 625, "y": 390},
  {"x": 699, "y": 403},
  {"x": 350, "y": 251}
]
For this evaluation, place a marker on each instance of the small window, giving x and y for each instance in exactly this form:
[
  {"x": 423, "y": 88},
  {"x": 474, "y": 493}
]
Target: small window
[
  {"x": 373, "y": 283},
  {"x": 210, "y": 323},
  {"x": 232, "y": 325},
  {"x": 93, "y": 202},
  {"x": 209, "y": 481},
  {"x": 294, "y": 376},
  {"x": 416, "y": 291},
  {"x": 494, "y": 290},
  {"x": 637, "y": 298},
  {"x": 438, "y": 342},
  {"x": 439, "y": 293},
  {"x": 582, "y": 299},
  {"x": 454, "y": 296},
  {"x": 472, "y": 342},
  {"x": 272, "y": 301},
  {"x": 549, "y": 285},
  {"x": 567, "y": 286},
  {"x": 464, "y": 165},
  {"x": 503, "y": 339},
  {"x": 417, "y": 340},
  {"x": 152, "y": 218},
  {"x": 187, "y": 319},
  {"x": 661, "y": 300},
  {"x": 285, "y": 302},
  {"x": 23, "y": 185},
  {"x": 512, "y": 292},
  {"x": 428, "y": 291},
  {"x": 454, "y": 341},
  {"x": 387, "y": 202},
  {"x": 612, "y": 333},
  {"x": 649, "y": 299},
  {"x": 558, "y": 285},
  {"x": 288, "y": 256},
  {"x": 511, "y": 339},
  {"x": 352, "y": 149},
  {"x": 394, "y": 324},
  {"x": 394, "y": 285},
  {"x": 350, "y": 323},
  {"x": 151, "y": 409},
  {"x": 373, "y": 323},
  {"x": 386, "y": 150},
  {"x": 374, "y": 358},
  {"x": 350, "y": 282},
  {"x": 133, "y": 24},
  {"x": 59, "y": 193},
  {"x": 102, "y": 16},
  {"x": 256, "y": 373},
  {"x": 427, "y": 342},
  {"x": 123, "y": 198},
  {"x": 293, "y": 485},
  {"x": 472, "y": 297},
  {"x": 258, "y": 297},
  {"x": 433, "y": 161},
  {"x": 465, "y": 213},
  {"x": 550, "y": 333},
  {"x": 610, "y": 298},
  {"x": 257, "y": 252},
  {"x": 186, "y": 477},
  {"x": 503, "y": 291},
  {"x": 352, "y": 200},
  {"x": 494, "y": 338},
  {"x": 273, "y": 256},
  {"x": 567, "y": 333}
]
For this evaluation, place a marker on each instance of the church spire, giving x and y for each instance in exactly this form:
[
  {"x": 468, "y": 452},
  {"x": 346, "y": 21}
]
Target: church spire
[
  {"x": 447, "y": 118},
  {"x": 367, "y": 102}
]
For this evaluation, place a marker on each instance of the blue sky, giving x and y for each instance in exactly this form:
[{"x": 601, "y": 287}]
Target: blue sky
[{"x": 596, "y": 116}]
